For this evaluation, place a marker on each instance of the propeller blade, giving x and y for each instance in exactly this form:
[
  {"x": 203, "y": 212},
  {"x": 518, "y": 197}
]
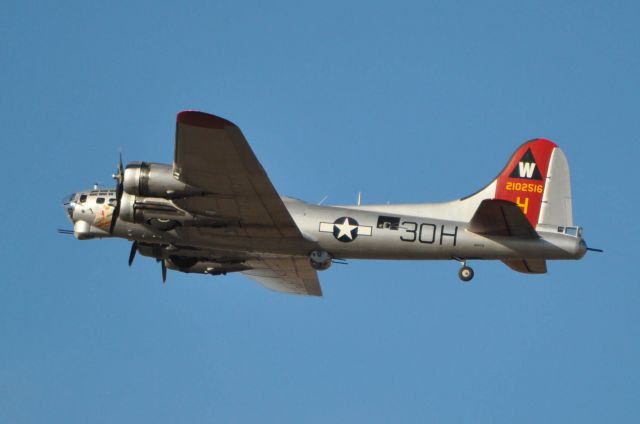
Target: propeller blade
[
  {"x": 593, "y": 249},
  {"x": 163, "y": 265},
  {"x": 119, "y": 177},
  {"x": 132, "y": 254},
  {"x": 120, "y": 166},
  {"x": 114, "y": 217}
]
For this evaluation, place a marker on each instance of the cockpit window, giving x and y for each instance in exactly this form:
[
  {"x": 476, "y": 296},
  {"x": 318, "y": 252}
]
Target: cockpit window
[{"x": 100, "y": 200}]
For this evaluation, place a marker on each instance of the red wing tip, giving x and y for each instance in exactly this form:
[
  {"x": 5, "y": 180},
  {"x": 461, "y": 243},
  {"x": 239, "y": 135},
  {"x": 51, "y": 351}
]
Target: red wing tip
[{"x": 202, "y": 119}]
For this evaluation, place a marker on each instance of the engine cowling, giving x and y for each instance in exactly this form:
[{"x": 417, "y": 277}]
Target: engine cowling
[
  {"x": 154, "y": 180},
  {"x": 157, "y": 212},
  {"x": 127, "y": 204}
]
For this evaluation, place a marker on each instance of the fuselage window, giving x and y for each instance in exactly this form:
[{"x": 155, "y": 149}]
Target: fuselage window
[
  {"x": 83, "y": 198},
  {"x": 572, "y": 231},
  {"x": 100, "y": 200}
]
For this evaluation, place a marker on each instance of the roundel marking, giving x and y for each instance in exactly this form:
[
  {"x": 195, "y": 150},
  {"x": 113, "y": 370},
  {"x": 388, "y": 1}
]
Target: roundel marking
[{"x": 345, "y": 229}]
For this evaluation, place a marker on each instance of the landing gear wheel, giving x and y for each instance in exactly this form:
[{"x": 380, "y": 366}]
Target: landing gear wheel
[{"x": 465, "y": 273}]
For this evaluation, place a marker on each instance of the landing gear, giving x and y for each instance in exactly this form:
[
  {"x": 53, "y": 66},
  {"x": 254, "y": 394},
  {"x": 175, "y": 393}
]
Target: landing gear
[{"x": 465, "y": 273}]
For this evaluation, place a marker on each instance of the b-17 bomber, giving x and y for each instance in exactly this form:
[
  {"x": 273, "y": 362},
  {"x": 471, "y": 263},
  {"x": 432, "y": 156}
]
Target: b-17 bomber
[{"x": 214, "y": 211}]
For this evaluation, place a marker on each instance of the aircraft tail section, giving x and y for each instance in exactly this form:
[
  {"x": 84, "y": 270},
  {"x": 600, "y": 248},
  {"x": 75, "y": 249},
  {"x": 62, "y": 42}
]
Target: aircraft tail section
[{"x": 536, "y": 179}]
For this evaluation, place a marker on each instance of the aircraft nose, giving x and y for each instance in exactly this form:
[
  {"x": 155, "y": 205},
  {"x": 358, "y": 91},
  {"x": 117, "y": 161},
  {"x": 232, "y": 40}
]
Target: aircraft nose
[{"x": 68, "y": 204}]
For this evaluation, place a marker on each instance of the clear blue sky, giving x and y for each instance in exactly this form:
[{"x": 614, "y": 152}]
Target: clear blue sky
[{"x": 405, "y": 101}]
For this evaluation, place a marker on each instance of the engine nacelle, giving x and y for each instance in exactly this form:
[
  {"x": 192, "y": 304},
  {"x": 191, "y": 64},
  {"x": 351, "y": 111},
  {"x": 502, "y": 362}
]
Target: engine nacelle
[
  {"x": 127, "y": 210},
  {"x": 203, "y": 266},
  {"x": 157, "y": 212},
  {"x": 154, "y": 180}
]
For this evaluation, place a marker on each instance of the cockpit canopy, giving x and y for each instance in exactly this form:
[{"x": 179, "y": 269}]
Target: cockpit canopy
[{"x": 88, "y": 198}]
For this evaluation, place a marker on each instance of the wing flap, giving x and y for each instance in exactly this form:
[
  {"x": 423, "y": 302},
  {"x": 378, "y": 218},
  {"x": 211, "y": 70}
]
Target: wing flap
[
  {"x": 495, "y": 217},
  {"x": 285, "y": 274}
]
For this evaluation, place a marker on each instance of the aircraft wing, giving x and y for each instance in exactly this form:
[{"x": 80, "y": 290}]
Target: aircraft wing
[
  {"x": 212, "y": 154},
  {"x": 285, "y": 274}
]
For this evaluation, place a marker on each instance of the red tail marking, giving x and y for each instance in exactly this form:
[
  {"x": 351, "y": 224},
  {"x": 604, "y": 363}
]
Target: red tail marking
[{"x": 523, "y": 179}]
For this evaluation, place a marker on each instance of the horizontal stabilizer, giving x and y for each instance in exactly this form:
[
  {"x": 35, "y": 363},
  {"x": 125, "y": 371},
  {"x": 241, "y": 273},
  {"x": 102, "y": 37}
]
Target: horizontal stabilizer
[
  {"x": 527, "y": 266},
  {"x": 495, "y": 217}
]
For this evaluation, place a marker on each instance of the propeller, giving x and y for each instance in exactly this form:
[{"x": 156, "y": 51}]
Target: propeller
[
  {"x": 132, "y": 254},
  {"x": 163, "y": 265},
  {"x": 119, "y": 177}
]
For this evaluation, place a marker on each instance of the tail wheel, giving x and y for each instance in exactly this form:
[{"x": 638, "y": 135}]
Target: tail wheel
[{"x": 465, "y": 273}]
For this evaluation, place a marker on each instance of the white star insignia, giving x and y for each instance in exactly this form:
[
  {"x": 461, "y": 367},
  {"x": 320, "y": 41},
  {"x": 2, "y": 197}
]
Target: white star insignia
[{"x": 345, "y": 229}]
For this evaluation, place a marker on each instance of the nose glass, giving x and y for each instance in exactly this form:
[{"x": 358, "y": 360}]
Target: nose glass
[{"x": 68, "y": 204}]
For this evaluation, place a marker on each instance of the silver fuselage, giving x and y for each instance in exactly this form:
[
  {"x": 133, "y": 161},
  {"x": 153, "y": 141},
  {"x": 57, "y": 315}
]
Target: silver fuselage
[{"x": 371, "y": 232}]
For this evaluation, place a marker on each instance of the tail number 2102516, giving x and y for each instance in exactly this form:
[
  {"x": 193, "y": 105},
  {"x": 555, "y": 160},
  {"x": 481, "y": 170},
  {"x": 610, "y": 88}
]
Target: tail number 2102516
[{"x": 524, "y": 187}]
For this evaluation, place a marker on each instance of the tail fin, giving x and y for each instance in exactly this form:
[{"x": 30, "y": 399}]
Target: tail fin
[{"x": 536, "y": 178}]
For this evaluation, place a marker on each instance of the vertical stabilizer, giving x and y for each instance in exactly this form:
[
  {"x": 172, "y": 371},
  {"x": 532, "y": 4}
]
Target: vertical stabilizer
[
  {"x": 536, "y": 179},
  {"x": 524, "y": 181}
]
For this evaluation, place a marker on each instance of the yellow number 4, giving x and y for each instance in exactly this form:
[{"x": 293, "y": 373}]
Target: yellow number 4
[{"x": 524, "y": 206}]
